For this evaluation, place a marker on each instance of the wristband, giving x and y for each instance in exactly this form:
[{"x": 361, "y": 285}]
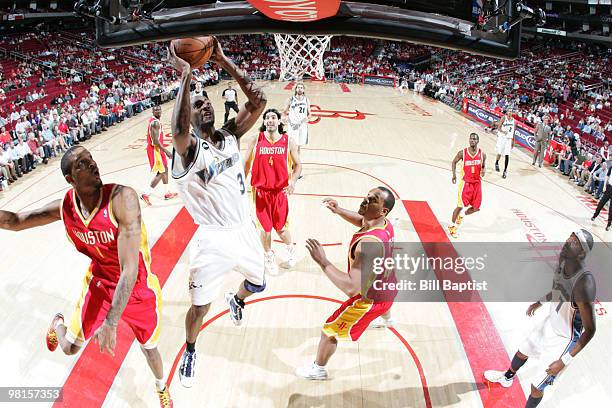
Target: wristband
[{"x": 567, "y": 359}]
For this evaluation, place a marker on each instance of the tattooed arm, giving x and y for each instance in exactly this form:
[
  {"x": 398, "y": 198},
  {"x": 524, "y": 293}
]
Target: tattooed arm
[
  {"x": 256, "y": 98},
  {"x": 126, "y": 210},
  {"x": 30, "y": 219}
]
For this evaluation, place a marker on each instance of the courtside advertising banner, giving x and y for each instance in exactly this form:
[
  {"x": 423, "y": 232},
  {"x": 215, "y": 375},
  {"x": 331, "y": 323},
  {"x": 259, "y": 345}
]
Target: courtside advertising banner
[
  {"x": 523, "y": 134},
  {"x": 377, "y": 80},
  {"x": 297, "y": 10}
]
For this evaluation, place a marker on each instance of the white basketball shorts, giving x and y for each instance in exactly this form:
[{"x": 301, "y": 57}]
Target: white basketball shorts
[
  {"x": 215, "y": 252},
  {"x": 503, "y": 145},
  {"x": 299, "y": 133},
  {"x": 546, "y": 346}
]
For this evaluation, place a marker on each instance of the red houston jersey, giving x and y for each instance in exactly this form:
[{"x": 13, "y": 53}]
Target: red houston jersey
[
  {"x": 386, "y": 236},
  {"x": 96, "y": 237},
  {"x": 472, "y": 166},
  {"x": 270, "y": 169},
  {"x": 150, "y": 144}
]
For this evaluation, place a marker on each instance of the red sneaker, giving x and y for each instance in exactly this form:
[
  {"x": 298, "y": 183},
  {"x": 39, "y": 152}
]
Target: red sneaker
[
  {"x": 170, "y": 196},
  {"x": 146, "y": 199},
  {"x": 52, "y": 340}
]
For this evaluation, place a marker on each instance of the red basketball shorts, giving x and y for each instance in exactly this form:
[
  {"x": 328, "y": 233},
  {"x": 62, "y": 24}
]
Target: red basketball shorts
[
  {"x": 272, "y": 209},
  {"x": 353, "y": 317},
  {"x": 470, "y": 194},
  {"x": 142, "y": 313}
]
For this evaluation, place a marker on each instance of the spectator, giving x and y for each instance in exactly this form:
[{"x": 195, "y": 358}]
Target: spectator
[
  {"x": 7, "y": 165},
  {"x": 36, "y": 149},
  {"x": 5, "y": 136}
]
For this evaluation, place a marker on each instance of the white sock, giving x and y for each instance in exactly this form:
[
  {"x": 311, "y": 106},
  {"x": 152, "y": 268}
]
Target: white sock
[
  {"x": 160, "y": 384},
  {"x": 453, "y": 224},
  {"x": 322, "y": 367},
  {"x": 167, "y": 186},
  {"x": 462, "y": 211},
  {"x": 148, "y": 190}
]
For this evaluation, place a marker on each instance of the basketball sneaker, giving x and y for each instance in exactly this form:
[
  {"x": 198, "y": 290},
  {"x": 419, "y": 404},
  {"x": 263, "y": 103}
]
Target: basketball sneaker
[
  {"x": 498, "y": 377},
  {"x": 452, "y": 230},
  {"x": 270, "y": 265},
  {"x": 505, "y": 174},
  {"x": 52, "y": 340},
  {"x": 146, "y": 199},
  {"x": 459, "y": 220},
  {"x": 165, "y": 401},
  {"x": 186, "y": 369},
  {"x": 312, "y": 371},
  {"x": 290, "y": 262},
  {"x": 381, "y": 322},
  {"x": 169, "y": 196},
  {"x": 234, "y": 308}
]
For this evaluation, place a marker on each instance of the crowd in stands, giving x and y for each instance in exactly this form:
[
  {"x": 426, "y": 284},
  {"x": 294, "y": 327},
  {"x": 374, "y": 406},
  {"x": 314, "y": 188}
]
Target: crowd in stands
[
  {"x": 59, "y": 91},
  {"x": 572, "y": 87},
  {"x": 58, "y": 88}
]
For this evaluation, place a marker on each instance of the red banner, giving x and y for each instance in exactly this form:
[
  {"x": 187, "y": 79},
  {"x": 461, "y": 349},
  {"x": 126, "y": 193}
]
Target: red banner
[{"x": 297, "y": 10}]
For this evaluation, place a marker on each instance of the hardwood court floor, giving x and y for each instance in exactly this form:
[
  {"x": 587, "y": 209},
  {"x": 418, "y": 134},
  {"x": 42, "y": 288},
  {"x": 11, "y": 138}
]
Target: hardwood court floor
[{"x": 367, "y": 137}]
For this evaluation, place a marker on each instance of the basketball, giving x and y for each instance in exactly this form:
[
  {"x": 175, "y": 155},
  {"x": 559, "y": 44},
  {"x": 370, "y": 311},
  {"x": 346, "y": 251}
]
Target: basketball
[{"x": 196, "y": 51}]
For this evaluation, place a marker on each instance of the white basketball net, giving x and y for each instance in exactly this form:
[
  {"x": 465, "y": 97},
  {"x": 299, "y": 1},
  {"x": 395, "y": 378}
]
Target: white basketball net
[{"x": 301, "y": 54}]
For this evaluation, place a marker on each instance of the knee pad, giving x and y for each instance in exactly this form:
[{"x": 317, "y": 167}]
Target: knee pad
[{"x": 254, "y": 288}]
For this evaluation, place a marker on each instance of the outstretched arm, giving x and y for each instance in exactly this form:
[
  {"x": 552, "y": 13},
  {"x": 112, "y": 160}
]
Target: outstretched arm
[
  {"x": 126, "y": 210},
  {"x": 348, "y": 215},
  {"x": 181, "y": 115},
  {"x": 349, "y": 283},
  {"x": 30, "y": 219},
  {"x": 256, "y": 98}
]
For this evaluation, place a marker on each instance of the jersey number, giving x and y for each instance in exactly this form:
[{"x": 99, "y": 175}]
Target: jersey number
[
  {"x": 302, "y": 109},
  {"x": 241, "y": 181}
]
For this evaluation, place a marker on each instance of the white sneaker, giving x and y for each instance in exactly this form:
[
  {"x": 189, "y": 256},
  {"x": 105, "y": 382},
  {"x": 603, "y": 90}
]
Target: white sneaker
[
  {"x": 498, "y": 377},
  {"x": 270, "y": 265},
  {"x": 311, "y": 372},
  {"x": 290, "y": 262},
  {"x": 381, "y": 322},
  {"x": 187, "y": 369}
]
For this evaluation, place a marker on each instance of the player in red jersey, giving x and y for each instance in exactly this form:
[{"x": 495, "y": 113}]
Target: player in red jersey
[
  {"x": 269, "y": 157},
  {"x": 470, "y": 186},
  {"x": 352, "y": 318},
  {"x": 104, "y": 223},
  {"x": 157, "y": 160}
]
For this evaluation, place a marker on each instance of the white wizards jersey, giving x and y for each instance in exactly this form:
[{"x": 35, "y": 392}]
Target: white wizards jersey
[
  {"x": 212, "y": 186},
  {"x": 507, "y": 128},
  {"x": 298, "y": 110},
  {"x": 564, "y": 315}
]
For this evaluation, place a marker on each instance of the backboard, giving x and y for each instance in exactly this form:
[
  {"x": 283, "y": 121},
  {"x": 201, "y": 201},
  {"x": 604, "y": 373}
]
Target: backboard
[{"x": 457, "y": 24}]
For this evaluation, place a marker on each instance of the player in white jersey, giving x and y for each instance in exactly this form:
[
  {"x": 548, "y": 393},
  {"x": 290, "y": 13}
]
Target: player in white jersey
[
  {"x": 569, "y": 326},
  {"x": 207, "y": 167},
  {"x": 297, "y": 111},
  {"x": 505, "y": 140}
]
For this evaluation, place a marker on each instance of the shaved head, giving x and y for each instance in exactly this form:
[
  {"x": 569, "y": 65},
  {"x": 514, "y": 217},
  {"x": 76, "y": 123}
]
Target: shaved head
[{"x": 68, "y": 159}]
